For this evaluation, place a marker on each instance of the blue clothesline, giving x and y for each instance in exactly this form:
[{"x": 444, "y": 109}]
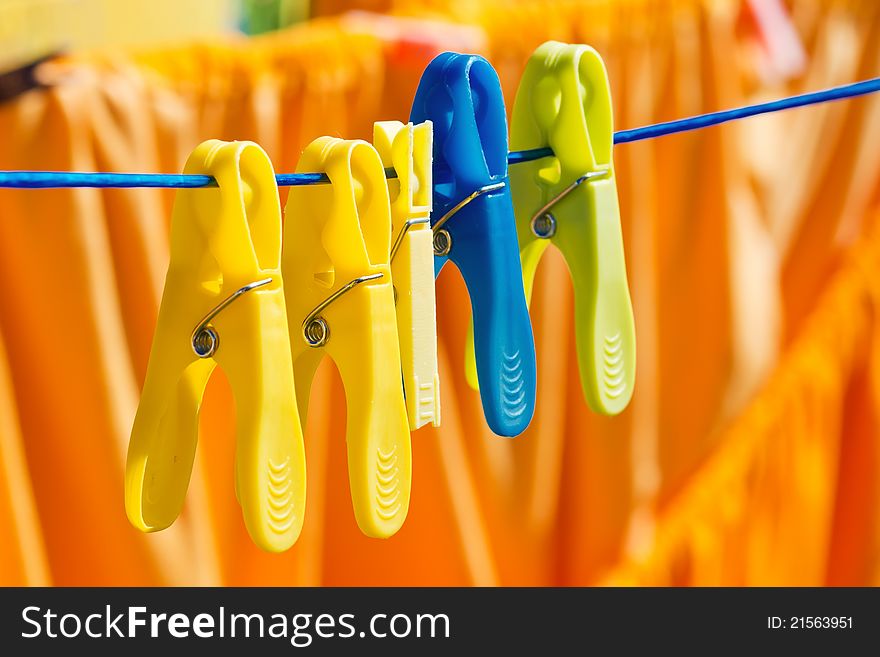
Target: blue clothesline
[{"x": 55, "y": 179}]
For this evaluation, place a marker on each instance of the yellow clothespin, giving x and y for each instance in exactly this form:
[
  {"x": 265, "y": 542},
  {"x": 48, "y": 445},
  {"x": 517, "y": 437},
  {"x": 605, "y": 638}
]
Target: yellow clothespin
[
  {"x": 337, "y": 241},
  {"x": 570, "y": 200},
  {"x": 224, "y": 305},
  {"x": 408, "y": 148}
]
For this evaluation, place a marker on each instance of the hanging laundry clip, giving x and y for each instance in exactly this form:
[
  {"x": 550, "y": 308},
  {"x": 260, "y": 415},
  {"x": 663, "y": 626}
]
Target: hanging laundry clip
[
  {"x": 569, "y": 199},
  {"x": 408, "y": 149},
  {"x": 461, "y": 95},
  {"x": 222, "y": 238},
  {"x": 337, "y": 242}
]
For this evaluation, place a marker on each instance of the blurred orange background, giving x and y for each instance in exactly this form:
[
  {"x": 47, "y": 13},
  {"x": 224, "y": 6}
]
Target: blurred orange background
[{"x": 749, "y": 454}]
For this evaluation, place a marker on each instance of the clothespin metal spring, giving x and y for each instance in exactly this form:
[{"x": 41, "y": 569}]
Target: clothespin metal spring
[
  {"x": 442, "y": 238},
  {"x": 205, "y": 340},
  {"x": 415, "y": 221},
  {"x": 315, "y": 329},
  {"x": 543, "y": 222}
]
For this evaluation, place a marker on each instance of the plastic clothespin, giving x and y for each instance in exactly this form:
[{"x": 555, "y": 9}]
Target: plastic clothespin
[
  {"x": 407, "y": 148},
  {"x": 473, "y": 226},
  {"x": 337, "y": 241},
  {"x": 223, "y": 305},
  {"x": 570, "y": 200}
]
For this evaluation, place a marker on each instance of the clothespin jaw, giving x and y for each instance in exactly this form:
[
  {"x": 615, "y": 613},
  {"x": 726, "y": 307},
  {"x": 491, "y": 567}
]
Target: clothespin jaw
[
  {"x": 570, "y": 200},
  {"x": 408, "y": 149},
  {"x": 223, "y": 305},
  {"x": 337, "y": 241},
  {"x": 473, "y": 225}
]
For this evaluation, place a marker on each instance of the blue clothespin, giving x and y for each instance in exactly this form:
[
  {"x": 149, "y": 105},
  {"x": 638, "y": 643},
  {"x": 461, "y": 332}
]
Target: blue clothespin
[{"x": 474, "y": 227}]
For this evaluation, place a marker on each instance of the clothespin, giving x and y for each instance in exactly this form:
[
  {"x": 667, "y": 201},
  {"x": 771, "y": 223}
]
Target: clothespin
[
  {"x": 570, "y": 200},
  {"x": 473, "y": 226},
  {"x": 337, "y": 242},
  {"x": 223, "y": 305},
  {"x": 407, "y": 149}
]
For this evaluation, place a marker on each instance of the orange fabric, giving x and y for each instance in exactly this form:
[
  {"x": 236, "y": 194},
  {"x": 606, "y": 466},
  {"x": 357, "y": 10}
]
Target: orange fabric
[
  {"x": 789, "y": 497},
  {"x": 22, "y": 557},
  {"x": 74, "y": 399},
  {"x": 751, "y": 434}
]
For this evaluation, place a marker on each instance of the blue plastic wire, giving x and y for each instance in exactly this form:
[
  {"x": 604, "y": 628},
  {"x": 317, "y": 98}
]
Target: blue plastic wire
[
  {"x": 55, "y": 179},
  {"x": 715, "y": 118}
]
